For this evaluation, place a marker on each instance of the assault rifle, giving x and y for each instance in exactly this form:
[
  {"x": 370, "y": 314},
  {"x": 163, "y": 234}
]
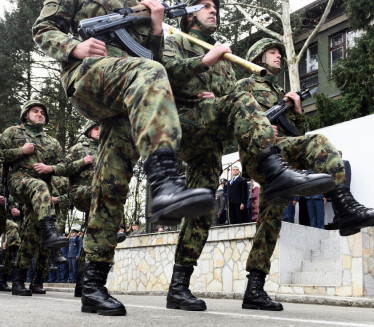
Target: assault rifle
[
  {"x": 275, "y": 113},
  {"x": 111, "y": 28},
  {"x": 4, "y": 177}
]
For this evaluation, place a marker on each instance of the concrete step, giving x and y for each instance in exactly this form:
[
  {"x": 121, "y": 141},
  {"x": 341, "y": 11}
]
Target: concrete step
[
  {"x": 316, "y": 278},
  {"x": 325, "y": 254},
  {"x": 332, "y": 243},
  {"x": 321, "y": 266}
]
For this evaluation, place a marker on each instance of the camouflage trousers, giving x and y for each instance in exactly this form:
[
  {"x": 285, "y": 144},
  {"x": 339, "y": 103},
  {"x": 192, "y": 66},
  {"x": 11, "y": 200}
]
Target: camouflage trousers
[
  {"x": 135, "y": 87},
  {"x": 204, "y": 128},
  {"x": 12, "y": 239},
  {"x": 32, "y": 241},
  {"x": 33, "y": 192},
  {"x": 314, "y": 152},
  {"x": 80, "y": 196},
  {"x": 113, "y": 170}
]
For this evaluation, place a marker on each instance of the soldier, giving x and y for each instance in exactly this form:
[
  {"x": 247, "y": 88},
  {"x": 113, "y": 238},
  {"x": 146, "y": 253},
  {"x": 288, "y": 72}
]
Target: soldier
[
  {"x": 304, "y": 152},
  {"x": 27, "y": 148},
  {"x": 132, "y": 100},
  {"x": 208, "y": 99},
  {"x": 211, "y": 111}
]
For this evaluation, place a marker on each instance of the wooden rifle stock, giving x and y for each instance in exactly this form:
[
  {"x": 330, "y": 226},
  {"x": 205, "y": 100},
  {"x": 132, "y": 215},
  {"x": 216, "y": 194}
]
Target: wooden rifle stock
[{"x": 253, "y": 68}]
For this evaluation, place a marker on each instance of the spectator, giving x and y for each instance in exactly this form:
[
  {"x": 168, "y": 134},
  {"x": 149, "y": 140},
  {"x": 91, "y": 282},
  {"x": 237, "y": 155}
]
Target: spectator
[
  {"x": 63, "y": 271},
  {"x": 316, "y": 209},
  {"x": 134, "y": 229},
  {"x": 249, "y": 201},
  {"x": 160, "y": 229},
  {"x": 289, "y": 211},
  {"x": 220, "y": 209},
  {"x": 237, "y": 195},
  {"x": 255, "y": 194},
  {"x": 75, "y": 247}
]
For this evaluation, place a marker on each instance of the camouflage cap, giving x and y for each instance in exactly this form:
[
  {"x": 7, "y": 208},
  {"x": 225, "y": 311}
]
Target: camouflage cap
[
  {"x": 184, "y": 23},
  {"x": 263, "y": 45},
  {"x": 88, "y": 126},
  {"x": 33, "y": 103}
]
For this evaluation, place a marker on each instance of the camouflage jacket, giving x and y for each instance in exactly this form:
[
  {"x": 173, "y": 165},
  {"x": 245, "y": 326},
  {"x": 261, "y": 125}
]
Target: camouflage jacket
[
  {"x": 267, "y": 93},
  {"x": 188, "y": 76},
  {"x": 47, "y": 151},
  {"x": 76, "y": 153},
  {"x": 56, "y": 31}
]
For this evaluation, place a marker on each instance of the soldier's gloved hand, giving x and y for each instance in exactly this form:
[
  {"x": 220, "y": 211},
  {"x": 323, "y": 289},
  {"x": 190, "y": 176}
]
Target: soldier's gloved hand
[
  {"x": 88, "y": 159},
  {"x": 206, "y": 95},
  {"x": 89, "y": 48},
  {"x": 157, "y": 15},
  {"x": 28, "y": 148},
  {"x": 2, "y": 200},
  {"x": 15, "y": 212},
  {"x": 215, "y": 54},
  {"x": 41, "y": 168}
]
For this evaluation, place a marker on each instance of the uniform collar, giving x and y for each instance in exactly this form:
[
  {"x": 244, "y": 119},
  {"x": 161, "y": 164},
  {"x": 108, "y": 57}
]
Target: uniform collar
[{"x": 202, "y": 36}]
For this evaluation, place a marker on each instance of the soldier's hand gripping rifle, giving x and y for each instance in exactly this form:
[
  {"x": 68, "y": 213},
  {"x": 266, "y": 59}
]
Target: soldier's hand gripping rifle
[
  {"x": 4, "y": 177},
  {"x": 111, "y": 28},
  {"x": 275, "y": 113}
]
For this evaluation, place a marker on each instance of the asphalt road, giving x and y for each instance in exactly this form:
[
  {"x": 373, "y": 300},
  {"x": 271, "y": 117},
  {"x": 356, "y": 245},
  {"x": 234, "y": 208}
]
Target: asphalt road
[{"x": 62, "y": 309}]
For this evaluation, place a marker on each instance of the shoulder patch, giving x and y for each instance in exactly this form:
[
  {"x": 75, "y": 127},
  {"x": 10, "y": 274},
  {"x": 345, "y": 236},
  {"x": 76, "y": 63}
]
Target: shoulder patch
[{"x": 50, "y": 7}]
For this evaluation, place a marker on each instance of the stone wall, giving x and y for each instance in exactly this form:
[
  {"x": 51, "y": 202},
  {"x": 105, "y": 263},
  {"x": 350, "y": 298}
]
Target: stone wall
[{"x": 144, "y": 263}]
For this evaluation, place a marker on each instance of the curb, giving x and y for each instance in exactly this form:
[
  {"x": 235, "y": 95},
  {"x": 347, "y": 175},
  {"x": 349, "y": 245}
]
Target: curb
[{"x": 362, "y": 302}]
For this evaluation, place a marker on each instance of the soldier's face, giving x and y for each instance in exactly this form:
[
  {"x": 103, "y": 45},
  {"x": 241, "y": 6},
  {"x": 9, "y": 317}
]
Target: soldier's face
[
  {"x": 36, "y": 115},
  {"x": 273, "y": 57},
  {"x": 206, "y": 16},
  {"x": 95, "y": 132}
]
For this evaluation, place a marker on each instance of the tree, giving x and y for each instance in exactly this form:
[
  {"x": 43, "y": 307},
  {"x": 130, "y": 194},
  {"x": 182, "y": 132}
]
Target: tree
[
  {"x": 272, "y": 16},
  {"x": 354, "y": 75}
]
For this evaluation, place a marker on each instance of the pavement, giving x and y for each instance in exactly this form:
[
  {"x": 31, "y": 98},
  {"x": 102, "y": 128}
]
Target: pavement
[{"x": 62, "y": 309}]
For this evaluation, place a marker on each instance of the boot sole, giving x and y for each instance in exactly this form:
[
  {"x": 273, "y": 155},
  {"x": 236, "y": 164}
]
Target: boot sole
[
  {"x": 116, "y": 312},
  {"x": 189, "y": 208},
  {"x": 320, "y": 186},
  {"x": 185, "y": 307},
  {"x": 20, "y": 294},
  {"x": 348, "y": 231},
  {"x": 6, "y": 290},
  {"x": 56, "y": 245},
  {"x": 256, "y": 307}
]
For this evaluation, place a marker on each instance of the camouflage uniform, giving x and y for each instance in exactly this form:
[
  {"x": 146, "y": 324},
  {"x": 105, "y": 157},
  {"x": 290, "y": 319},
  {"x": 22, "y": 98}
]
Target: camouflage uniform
[
  {"x": 130, "y": 97},
  {"x": 60, "y": 191},
  {"x": 314, "y": 152},
  {"x": 206, "y": 124}
]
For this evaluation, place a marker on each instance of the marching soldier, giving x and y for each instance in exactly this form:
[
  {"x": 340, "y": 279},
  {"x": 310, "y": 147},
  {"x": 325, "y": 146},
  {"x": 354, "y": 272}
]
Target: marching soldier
[{"x": 212, "y": 111}]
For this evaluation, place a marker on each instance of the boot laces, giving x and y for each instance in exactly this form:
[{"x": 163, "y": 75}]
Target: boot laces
[
  {"x": 286, "y": 165},
  {"x": 347, "y": 199}
]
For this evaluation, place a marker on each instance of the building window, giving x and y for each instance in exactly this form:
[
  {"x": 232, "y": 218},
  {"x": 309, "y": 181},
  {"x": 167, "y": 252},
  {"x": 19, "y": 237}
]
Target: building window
[
  {"x": 340, "y": 43},
  {"x": 308, "y": 67}
]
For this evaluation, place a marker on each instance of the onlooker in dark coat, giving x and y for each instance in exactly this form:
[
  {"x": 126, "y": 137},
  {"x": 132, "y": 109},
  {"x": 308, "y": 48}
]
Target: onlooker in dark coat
[
  {"x": 75, "y": 247},
  {"x": 237, "y": 197}
]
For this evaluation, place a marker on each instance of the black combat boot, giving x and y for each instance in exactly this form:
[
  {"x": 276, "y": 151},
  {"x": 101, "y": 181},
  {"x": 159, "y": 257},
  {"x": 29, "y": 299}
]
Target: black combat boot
[
  {"x": 3, "y": 284},
  {"x": 52, "y": 239},
  {"x": 255, "y": 297},
  {"x": 52, "y": 265},
  {"x": 351, "y": 215},
  {"x": 58, "y": 257},
  {"x": 121, "y": 236},
  {"x": 283, "y": 183},
  {"x": 95, "y": 296},
  {"x": 13, "y": 253},
  {"x": 18, "y": 286},
  {"x": 2, "y": 268},
  {"x": 171, "y": 199},
  {"x": 36, "y": 285},
  {"x": 179, "y": 295},
  {"x": 78, "y": 286}
]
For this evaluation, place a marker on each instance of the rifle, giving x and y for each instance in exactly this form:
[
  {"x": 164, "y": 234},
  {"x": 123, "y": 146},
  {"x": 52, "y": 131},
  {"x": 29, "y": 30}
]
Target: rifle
[
  {"x": 4, "y": 177},
  {"x": 275, "y": 113},
  {"x": 111, "y": 28}
]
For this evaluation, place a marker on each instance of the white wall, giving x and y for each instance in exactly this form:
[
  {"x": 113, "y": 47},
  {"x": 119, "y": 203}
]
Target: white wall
[{"x": 355, "y": 139}]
